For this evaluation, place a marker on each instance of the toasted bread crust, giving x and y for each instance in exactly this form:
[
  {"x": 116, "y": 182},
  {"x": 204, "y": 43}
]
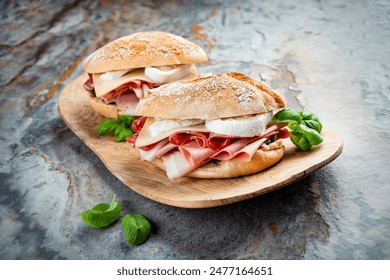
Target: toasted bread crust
[
  {"x": 212, "y": 97},
  {"x": 110, "y": 111},
  {"x": 142, "y": 49},
  {"x": 235, "y": 168}
]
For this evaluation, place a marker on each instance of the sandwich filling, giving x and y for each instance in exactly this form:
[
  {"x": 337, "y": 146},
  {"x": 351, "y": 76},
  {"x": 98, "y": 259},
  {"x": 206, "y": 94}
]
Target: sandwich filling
[
  {"x": 185, "y": 145},
  {"x": 126, "y": 88}
]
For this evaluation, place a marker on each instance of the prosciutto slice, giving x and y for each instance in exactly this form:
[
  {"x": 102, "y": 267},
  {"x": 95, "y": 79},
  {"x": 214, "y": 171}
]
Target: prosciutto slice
[
  {"x": 127, "y": 103},
  {"x": 176, "y": 165},
  {"x": 166, "y": 149},
  {"x": 195, "y": 154},
  {"x": 230, "y": 151},
  {"x": 126, "y": 96},
  {"x": 136, "y": 126},
  {"x": 218, "y": 142},
  {"x": 183, "y": 152},
  {"x": 247, "y": 152},
  {"x": 88, "y": 85},
  {"x": 150, "y": 154},
  {"x": 210, "y": 140},
  {"x": 182, "y": 138}
]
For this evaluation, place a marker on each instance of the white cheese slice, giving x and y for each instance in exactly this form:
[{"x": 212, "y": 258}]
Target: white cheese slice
[
  {"x": 104, "y": 86},
  {"x": 113, "y": 75},
  {"x": 148, "y": 135}
]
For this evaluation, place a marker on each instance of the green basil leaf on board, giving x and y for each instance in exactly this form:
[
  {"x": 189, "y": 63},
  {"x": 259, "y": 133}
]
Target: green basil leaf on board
[
  {"x": 311, "y": 120},
  {"x": 305, "y": 127},
  {"x": 310, "y": 134},
  {"x": 287, "y": 115},
  {"x": 136, "y": 228},
  {"x": 300, "y": 141},
  {"x": 125, "y": 120},
  {"x": 123, "y": 134},
  {"x": 102, "y": 215},
  {"x": 107, "y": 127},
  {"x": 120, "y": 127}
]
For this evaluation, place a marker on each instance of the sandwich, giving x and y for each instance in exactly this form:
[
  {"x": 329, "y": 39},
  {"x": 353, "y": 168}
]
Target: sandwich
[
  {"x": 122, "y": 72},
  {"x": 217, "y": 126}
]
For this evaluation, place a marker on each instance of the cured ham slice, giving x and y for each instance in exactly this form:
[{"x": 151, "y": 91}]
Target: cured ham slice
[
  {"x": 218, "y": 142},
  {"x": 138, "y": 124},
  {"x": 185, "y": 150},
  {"x": 127, "y": 103},
  {"x": 182, "y": 138},
  {"x": 176, "y": 165},
  {"x": 246, "y": 153},
  {"x": 166, "y": 149},
  {"x": 230, "y": 151},
  {"x": 194, "y": 154},
  {"x": 125, "y": 96},
  {"x": 150, "y": 154}
]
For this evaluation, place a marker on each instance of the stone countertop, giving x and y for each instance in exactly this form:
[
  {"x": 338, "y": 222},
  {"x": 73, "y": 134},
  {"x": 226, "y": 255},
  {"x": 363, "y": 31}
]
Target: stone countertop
[{"x": 329, "y": 57}]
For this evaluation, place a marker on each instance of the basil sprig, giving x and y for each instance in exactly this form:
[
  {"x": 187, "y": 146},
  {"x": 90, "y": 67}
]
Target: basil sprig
[
  {"x": 136, "y": 228},
  {"x": 102, "y": 215},
  {"x": 305, "y": 127},
  {"x": 120, "y": 127}
]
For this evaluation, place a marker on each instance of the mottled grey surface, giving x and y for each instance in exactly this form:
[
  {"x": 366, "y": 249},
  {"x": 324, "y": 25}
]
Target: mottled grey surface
[{"x": 330, "y": 57}]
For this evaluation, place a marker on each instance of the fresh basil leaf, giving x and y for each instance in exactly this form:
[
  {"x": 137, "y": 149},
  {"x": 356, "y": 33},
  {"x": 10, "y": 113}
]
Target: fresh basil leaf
[
  {"x": 125, "y": 120},
  {"x": 310, "y": 134},
  {"x": 308, "y": 116},
  {"x": 121, "y": 133},
  {"x": 311, "y": 120},
  {"x": 114, "y": 205},
  {"x": 300, "y": 141},
  {"x": 120, "y": 127},
  {"x": 107, "y": 127},
  {"x": 102, "y": 215},
  {"x": 313, "y": 124},
  {"x": 304, "y": 137},
  {"x": 287, "y": 115},
  {"x": 136, "y": 228},
  {"x": 305, "y": 127},
  {"x": 293, "y": 126}
]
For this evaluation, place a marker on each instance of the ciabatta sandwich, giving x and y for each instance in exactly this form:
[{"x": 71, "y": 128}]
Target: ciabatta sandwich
[
  {"x": 212, "y": 127},
  {"x": 122, "y": 72}
]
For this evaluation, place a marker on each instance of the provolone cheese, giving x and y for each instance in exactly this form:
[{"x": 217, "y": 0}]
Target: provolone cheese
[
  {"x": 113, "y": 75},
  {"x": 104, "y": 86},
  {"x": 147, "y": 136}
]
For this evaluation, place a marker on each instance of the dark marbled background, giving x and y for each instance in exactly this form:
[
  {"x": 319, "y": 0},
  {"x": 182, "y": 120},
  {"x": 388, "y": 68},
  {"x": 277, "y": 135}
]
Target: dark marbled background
[{"x": 329, "y": 57}]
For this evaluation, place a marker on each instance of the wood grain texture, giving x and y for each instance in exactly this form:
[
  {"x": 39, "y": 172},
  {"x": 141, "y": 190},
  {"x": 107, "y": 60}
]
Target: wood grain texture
[{"x": 149, "y": 181}]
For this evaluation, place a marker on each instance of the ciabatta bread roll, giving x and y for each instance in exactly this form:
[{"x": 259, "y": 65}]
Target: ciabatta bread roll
[
  {"x": 122, "y": 72},
  {"x": 212, "y": 127}
]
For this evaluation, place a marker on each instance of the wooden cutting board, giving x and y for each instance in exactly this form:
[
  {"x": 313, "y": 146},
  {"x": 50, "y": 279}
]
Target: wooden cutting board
[{"x": 151, "y": 182}]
